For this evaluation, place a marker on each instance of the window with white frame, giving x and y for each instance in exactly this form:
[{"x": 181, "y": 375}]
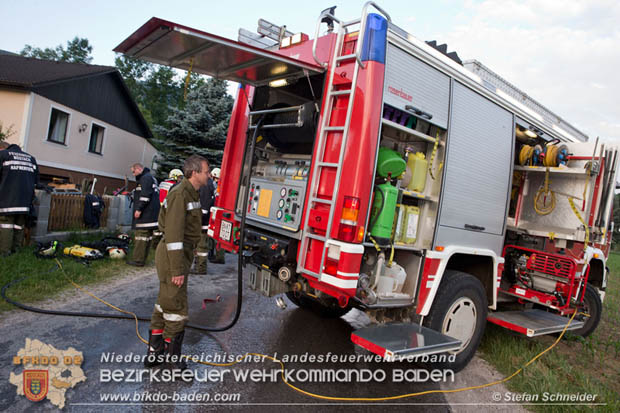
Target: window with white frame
[
  {"x": 57, "y": 131},
  {"x": 96, "y": 139}
]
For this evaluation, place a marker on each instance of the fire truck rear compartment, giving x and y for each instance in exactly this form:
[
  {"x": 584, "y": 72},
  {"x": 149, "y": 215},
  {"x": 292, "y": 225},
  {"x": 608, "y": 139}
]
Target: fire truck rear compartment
[{"x": 277, "y": 182}]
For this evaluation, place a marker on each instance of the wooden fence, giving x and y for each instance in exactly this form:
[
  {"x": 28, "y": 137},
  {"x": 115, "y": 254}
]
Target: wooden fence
[{"x": 67, "y": 212}]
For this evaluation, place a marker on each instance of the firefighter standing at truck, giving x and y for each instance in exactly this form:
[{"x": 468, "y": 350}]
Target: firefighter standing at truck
[
  {"x": 18, "y": 176},
  {"x": 145, "y": 211},
  {"x": 180, "y": 220},
  {"x": 216, "y": 255},
  {"x": 174, "y": 178},
  {"x": 207, "y": 199}
]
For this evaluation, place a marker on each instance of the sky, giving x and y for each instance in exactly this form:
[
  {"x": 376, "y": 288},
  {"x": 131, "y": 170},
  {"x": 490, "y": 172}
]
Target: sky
[{"x": 563, "y": 53}]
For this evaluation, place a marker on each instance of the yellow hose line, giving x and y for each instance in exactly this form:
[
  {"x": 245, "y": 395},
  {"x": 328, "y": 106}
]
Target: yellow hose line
[
  {"x": 545, "y": 191},
  {"x": 432, "y": 160},
  {"x": 576, "y": 212},
  {"x": 320, "y": 396},
  {"x": 189, "y": 73},
  {"x": 525, "y": 154}
]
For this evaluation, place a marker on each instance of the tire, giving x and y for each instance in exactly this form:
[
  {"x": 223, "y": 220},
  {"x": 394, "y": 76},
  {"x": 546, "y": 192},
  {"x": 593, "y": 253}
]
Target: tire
[
  {"x": 459, "y": 311},
  {"x": 322, "y": 308},
  {"x": 592, "y": 306}
]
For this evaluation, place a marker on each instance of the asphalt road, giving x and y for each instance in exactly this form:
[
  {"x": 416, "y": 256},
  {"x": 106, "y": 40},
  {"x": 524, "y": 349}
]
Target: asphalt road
[{"x": 262, "y": 328}]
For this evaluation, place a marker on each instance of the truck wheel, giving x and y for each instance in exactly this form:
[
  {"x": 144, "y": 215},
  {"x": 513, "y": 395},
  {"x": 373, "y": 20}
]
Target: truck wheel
[
  {"x": 459, "y": 311},
  {"x": 325, "y": 309},
  {"x": 593, "y": 307}
]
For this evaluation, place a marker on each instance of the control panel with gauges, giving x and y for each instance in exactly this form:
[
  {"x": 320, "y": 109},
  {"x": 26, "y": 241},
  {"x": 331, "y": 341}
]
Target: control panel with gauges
[{"x": 277, "y": 193}]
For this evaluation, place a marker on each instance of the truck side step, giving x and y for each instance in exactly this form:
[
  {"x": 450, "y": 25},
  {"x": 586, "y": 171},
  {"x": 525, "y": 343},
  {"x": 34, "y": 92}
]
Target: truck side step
[
  {"x": 533, "y": 322},
  {"x": 403, "y": 340}
]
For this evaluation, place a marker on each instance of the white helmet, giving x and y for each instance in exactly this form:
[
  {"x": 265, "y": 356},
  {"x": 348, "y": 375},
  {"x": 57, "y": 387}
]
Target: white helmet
[
  {"x": 124, "y": 237},
  {"x": 215, "y": 173},
  {"x": 175, "y": 174},
  {"x": 116, "y": 253}
]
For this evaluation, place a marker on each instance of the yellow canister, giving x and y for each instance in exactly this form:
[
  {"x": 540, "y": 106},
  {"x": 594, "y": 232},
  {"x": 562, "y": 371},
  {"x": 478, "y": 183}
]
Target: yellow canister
[
  {"x": 417, "y": 164},
  {"x": 411, "y": 216}
]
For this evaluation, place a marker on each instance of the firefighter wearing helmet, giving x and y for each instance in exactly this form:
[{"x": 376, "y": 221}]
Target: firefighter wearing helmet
[
  {"x": 216, "y": 255},
  {"x": 174, "y": 177},
  {"x": 180, "y": 221}
]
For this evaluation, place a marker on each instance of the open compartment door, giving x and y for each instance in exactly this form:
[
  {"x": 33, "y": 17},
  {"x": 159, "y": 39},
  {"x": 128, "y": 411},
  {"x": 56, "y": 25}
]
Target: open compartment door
[{"x": 166, "y": 43}]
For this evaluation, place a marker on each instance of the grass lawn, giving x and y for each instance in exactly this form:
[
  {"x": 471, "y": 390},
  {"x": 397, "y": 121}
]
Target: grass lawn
[
  {"x": 575, "y": 365},
  {"x": 44, "y": 280}
]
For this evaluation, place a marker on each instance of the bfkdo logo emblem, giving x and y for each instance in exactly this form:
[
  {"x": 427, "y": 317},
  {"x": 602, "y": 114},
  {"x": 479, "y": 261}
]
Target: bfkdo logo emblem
[{"x": 35, "y": 384}]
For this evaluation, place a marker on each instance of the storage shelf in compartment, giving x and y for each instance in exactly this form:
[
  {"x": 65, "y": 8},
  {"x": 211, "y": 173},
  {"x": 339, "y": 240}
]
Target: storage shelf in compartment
[
  {"x": 555, "y": 170},
  {"x": 419, "y": 195},
  {"x": 537, "y": 230},
  {"x": 412, "y": 132},
  {"x": 397, "y": 246}
]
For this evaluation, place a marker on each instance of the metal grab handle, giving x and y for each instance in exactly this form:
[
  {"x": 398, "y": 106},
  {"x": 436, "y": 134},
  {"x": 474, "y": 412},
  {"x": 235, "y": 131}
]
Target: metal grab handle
[
  {"x": 419, "y": 112},
  {"x": 474, "y": 227},
  {"x": 316, "y": 35},
  {"x": 360, "y": 36}
]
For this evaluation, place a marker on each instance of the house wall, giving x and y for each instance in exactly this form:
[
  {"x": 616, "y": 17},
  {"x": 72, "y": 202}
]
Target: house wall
[
  {"x": 120, "y": 148},
  {"x": 14, "y": 108}
]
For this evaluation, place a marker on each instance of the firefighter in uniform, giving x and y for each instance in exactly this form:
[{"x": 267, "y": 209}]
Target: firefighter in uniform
[
  {"x": 146, "y": 209},
  {"x": 174, "y": 177},
  {"x": 207, "y": 199},
  {"x": 18, "y": 176},
  {"x": 216, "y": 255},
  {"x": 180, "y": 220}
]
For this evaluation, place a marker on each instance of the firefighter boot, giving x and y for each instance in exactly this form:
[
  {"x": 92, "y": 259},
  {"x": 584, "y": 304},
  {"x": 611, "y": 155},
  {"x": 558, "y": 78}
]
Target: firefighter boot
[
  {"x": 200, "y": 264},
  {"x": 219, "y": 257},
  {"x": 157, "y": 349},
  {"x": 174, "y": 351}
]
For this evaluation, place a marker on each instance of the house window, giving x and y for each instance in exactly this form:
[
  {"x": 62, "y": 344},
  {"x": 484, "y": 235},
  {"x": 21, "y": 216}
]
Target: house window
[
  {"x": 58, "y": 126},
  {"x": 96, "y": 139}
]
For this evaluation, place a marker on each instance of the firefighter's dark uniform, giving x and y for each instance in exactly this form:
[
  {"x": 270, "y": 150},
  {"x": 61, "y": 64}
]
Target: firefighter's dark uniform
[
  {"x": 180, "y": 221},
  {"x": 18, "y": 176},
  {"x": 145, "y": 200},
  {"x": 207, "y": 198}
]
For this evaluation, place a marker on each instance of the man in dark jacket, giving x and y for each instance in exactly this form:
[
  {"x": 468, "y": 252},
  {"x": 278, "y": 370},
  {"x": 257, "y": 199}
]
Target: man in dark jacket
[
  {"x": 207, "y": 198},
  {"x": 145, "y": 212},
  {"x": 18, "y": 176}
]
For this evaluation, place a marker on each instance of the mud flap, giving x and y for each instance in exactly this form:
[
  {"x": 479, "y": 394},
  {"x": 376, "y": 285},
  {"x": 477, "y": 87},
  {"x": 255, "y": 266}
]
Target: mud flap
[
  {"x": 533, "y": 322},
  {"x": 403, "y": 341}
]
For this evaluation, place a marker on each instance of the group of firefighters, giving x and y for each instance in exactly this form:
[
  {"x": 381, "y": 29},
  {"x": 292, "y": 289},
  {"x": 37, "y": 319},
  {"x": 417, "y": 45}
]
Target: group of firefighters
[
  {"x": 175, "y": 212},
  {"x": 148, "y": 197}
]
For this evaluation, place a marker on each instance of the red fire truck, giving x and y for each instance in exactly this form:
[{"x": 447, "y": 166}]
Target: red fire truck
[{"x": 367, "y": 169}]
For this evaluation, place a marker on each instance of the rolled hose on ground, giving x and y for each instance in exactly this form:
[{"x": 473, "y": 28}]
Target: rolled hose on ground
[{"x": 142, "y": 318}]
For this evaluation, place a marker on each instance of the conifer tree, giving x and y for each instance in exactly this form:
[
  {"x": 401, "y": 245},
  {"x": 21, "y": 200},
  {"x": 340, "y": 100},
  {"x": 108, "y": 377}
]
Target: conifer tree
[{"x": 199, "y": 127}]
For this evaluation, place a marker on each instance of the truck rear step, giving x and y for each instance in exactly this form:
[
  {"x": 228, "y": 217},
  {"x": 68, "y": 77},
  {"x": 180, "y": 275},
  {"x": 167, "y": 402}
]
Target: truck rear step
[
  {"x": 533, "y": 322},
  {"x": 403, "y": 340}
]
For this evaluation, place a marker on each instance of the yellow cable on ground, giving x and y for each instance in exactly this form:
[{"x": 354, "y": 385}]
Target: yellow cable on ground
[{"x": 320, "y": 396}]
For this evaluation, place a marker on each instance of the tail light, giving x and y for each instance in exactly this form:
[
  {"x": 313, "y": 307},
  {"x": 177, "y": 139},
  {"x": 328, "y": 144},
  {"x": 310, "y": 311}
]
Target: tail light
[{"x": 347, "y": 230}]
